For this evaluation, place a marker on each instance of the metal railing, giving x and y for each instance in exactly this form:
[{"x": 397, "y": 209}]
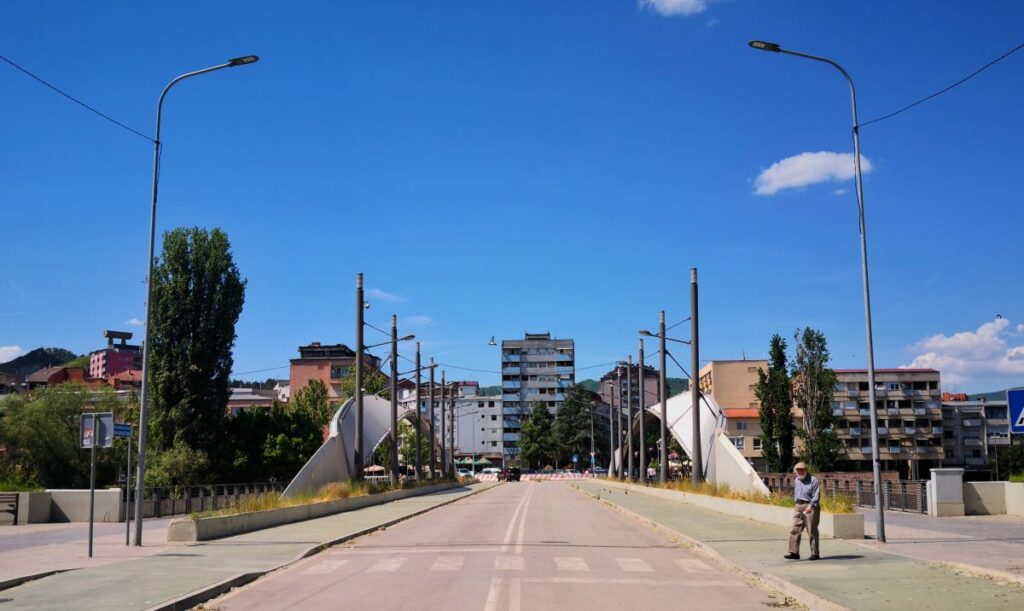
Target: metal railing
[
  {"x": 166, "y": 501},
  {"x": 904, "y": 495}
]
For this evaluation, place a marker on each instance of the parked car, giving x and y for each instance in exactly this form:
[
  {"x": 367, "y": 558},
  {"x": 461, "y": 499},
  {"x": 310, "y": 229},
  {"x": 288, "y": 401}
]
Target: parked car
[
  {"x": 491, "y": 471},
  {"x": 465, "y": 473}
]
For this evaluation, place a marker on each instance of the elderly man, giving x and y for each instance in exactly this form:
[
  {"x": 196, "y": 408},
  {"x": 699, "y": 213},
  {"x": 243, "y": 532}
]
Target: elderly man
[{"x": 806, "y": 513}]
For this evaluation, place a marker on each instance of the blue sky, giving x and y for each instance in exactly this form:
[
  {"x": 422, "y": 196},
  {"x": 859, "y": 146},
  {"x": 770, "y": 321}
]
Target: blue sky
[{"x": 501, "y": 167}]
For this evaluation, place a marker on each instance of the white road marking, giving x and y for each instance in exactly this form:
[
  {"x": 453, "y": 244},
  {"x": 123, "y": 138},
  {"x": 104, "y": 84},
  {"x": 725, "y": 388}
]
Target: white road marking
[
  {"x": 386, "y": 565},
  {"x": 324, "y": 567},
  {"x": 634, "y": 565},
  {"x": 509, "y": 563},
  {"x": 433, "y": 550},
  {"x": 692, "y": 565},
  {"x": 448, "y": 563},
  {"x": 492, "y": 595},
  {"x": 522, "y": 521},
  {"x": 571, "y": 564},
  {"x": 512, "y": 523},
  {"x": 708, "y": 583}
]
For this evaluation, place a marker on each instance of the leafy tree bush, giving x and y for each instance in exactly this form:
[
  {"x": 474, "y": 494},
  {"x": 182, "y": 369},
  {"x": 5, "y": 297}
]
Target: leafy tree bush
[
  {"x": 814, "y": 384},
  {"x": 774, "y": 391},
  {"x": 311, "y": 399},
  {"x": 537, "y": 443}
]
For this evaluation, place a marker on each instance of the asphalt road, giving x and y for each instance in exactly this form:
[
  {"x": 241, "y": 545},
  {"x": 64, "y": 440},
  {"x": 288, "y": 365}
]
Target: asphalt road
[{"x": 525, "y": 545}]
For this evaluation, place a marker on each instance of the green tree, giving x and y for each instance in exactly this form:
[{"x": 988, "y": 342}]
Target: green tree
[
  {"x": 374, "y": 383},
  {"x": 537, "y": 443},
  {"x": 267, "y": 444},
  {"x": 407, "y": 447},
  {"x": 775, "y": 393},
  {"x": 40, "y": 434},
  {"x": 311, "y": 399},
  {"x": 814, "y": 384},
  {"x": 197, "y": 298},
  {"x": 571, "y": 429}
]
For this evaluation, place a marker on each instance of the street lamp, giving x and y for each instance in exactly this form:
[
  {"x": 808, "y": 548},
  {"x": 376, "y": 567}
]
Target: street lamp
[
  {"x": 663, "y": 393},
  {"x": 394, "y": 395},
  {"x": 141, "y": 462},
  {"x": 876, "y": 463}
]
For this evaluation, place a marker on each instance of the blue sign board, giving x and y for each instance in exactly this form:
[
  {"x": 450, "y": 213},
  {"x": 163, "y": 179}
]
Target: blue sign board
[
  {"x": 1015, "y": 401},
  {"x": 575, "y": 458},
  {"x": 122, "y": 429}
]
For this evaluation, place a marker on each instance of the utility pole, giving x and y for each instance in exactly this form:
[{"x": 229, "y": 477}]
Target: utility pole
[
  {"x": 697, "y": 460},
  {"x": 618, "y": 422},
  {"x": 452, "y": 396},
  {"x": 629, "y": 417},
  {"x": 433, "y": 433},
  {"x": 357, "y": 473},
  {"x": 394, "y": 400},
  {"x": 663, "y": 398},
  {"x": 419, "y": 416},
  {"x": 444, "y": 458},
  {"x": 643, "y": 390},
  {"x": 611, "y": 429}
]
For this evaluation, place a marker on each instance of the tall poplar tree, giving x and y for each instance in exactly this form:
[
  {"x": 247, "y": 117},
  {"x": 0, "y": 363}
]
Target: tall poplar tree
[
  {"x": 813, "y": 388},
  {"x": 774, "y": 391},
  {"x": 197, "y": 298}
]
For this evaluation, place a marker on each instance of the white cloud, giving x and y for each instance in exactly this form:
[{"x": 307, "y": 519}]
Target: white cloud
[
  {"x": 961, "y": 356},
  {"x": 135, "y": 322},
  {"x": 839, "y": 192},
  {"x": 384, "y": 296},
  {"x": 9, "y": 353},
  {"x": 808, "y": 169},
  {"x": 673, "y": 8},
  {"x": 418, "y": 321}
]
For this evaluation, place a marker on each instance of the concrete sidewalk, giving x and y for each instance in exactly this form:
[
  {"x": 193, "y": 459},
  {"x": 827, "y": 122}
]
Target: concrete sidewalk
[
  {"x": 174, "y": 573},
  {"x": 850, "y": 575}
]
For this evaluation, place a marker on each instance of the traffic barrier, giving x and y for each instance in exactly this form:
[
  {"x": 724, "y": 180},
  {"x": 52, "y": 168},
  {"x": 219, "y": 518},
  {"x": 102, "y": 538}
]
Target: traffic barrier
[{"x": 493, "y": 477}]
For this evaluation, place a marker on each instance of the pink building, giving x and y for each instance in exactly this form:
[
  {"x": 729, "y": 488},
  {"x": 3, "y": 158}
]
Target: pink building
[{"x": 115, "y": 358}]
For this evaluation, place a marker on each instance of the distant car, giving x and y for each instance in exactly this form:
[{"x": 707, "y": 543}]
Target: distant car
[
  {"x": 465, "y": 473},
  {"x": 599, "y": 471},
  {"x": 511, "y": 474},
  {"x": 491, "y": 471}
]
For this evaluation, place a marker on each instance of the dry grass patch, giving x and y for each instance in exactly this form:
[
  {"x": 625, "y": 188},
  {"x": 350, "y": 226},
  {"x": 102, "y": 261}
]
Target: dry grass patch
[{"x": 838, "y": 503}]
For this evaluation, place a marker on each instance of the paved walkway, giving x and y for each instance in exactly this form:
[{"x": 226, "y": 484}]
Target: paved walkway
[
  {"x": 995, "y": 543},
  {"x": 850, "y": 574},
  {"x": 31, "y": 549},
  {"x": 174, "y": 571}
]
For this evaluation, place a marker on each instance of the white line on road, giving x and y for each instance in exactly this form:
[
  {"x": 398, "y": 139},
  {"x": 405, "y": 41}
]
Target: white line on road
[
  {"x": 512, "y": 523},
  {"x": 433, "y": 549},
  {"x": 492, "y": 595},
  {"x": 448, "y": 563},
  {"x": 509, "y": 563},
  {"x": 571, "y": 564},
  {"x": 386, "y": 565},
  {"x": 522, "y": 520},
  {"x": 634, "y": 565},
  {"x": 634, "y": 582},
  {"x": 324, "y": 567},
  {"x": 692, "y": 565}
]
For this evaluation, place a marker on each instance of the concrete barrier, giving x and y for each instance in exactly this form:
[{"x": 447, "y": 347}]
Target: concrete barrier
[
  {"x": 73, "y": 505},
  {"x": 34, "y": 507},
  {"x": 215, "y": 527},
  {"x": 993, "y": 498},
  {"x": 835, "y": 525}
]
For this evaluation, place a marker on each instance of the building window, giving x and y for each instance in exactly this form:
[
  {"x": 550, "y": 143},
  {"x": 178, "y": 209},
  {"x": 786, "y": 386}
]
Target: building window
[
  {"x": 738, "y": 442},
  {"x": 494, "y": 443},
  {"x": 757, "y": 443},
  {"x": 494, "y": 417},
  {"x": 741, "y": 426}
]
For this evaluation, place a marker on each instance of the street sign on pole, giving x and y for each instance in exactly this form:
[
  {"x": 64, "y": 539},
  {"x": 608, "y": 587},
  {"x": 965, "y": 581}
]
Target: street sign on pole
[
  {"x": 122, "y": 429},
  {"x": 575, "y": 458},
  {"x": 96, "y": 431},
  {"x": 1015, "y": 401}
]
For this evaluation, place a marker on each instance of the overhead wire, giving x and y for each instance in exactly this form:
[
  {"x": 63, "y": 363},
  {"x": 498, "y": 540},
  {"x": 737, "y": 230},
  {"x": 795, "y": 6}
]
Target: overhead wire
[{"x": 76, "y": 100}]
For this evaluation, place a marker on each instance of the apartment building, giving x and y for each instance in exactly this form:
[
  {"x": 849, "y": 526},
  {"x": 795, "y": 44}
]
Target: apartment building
[
  {"x": 910, "y": 420},
  {"x": 535, "y": 369},
  {"x": 328, "y": 363},
  {"x": 973, "y": 431},
  {"x": 478, "y": 428},
  {"x": 115, "y": 358},
  {"x": 733, "y": 383},
  {"x": 606, "y": 388}
]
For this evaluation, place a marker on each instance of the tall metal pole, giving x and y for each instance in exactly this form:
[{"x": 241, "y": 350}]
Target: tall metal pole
[
  {"x": 357, "y": 455},
  {"x": 444, "y": 457},
  {"x": 127, "y": 496},
  {"x": 697, "y": 460},
  {"x": 394, "y": 400},
  {"x": 433, "y": 433},
  {"x": 452, "y": 396},
  {"x": 663, "y": 398},
  {"x": 621, "y": 471},
  {"x": 642, "y": 402},
  {"x": 611, "y": 428},
  {"x": 630, "y": 463},
  {"x": 419, "y": 416},
  {"x": 140, "y": 477},
  {"x": 92, "y": 477},
  {"x": 876, "y": 460}
]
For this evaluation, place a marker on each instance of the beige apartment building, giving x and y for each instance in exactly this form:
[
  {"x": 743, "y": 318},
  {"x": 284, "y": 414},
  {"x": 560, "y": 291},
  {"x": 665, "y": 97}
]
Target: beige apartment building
[{"x": 732, "y": 384}]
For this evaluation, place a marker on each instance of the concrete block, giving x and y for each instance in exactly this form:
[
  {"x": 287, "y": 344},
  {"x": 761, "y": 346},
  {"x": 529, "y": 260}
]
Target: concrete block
[
  {"x": 1014, "y": 499},
  {"x": 33, "y": 507},
  {"x": 946, "y": 493},
  {"x": 985, "y": 498},
  {"x": 73, "y": 506}
]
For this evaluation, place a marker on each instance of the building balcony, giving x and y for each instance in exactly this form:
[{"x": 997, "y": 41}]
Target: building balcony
[
  {"x": 972, "y": 422},
  {"x": 865, "y": 412},
  {"x": 510, "y": 358},
  {"x": 510, "y": 370},
  {"x": 510, "y": 437},
  {"x": 836, "y": 411},
  {"x": 910, "y": 430},
  {"x": 907, "y": 392},
  {"x": 855, "y": 431},
  {"x": 999, "y": 440},
  {"x": 998, "y": 422},
  {"x": 853, "y": 394},
  {"x": 511, "y": 384},
  {"x": 883, "y": 430},
  {"x": 937, "y": 430},
  {"x": 892, "y": 411},
  {"x": 509, "y": 397},
  {"x": 564, "y": 357},
  {"x": 920, "y": 411},
  {"x": 973, "y": 442},
  {"x": 894, "y": 393},
  {"x": 565, "y": 370},
  {"x": 865, "y": 449}
]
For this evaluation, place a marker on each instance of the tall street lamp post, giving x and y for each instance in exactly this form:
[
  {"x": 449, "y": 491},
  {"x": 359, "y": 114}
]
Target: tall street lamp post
[
  {"x": 144, "y": 394},
  {"x": 697, "y": 460},
  {"x": 629, "y": 418},
  {"x": 394, "y": 396},
  {"x": 643, "y": 388},
  {"x": 876, "y": 462},
  {"x": 663, "y": 392},
  {"x": 433, "y": 434},
  {"x": 357, "y": 473},
  {"x": 419, "y": 415}
]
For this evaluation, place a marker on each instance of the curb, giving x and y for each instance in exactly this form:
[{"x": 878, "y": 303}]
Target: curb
[
  {"x": 17, "y": 581},
  {"x": 204, "y": 594},
  {"x": 970, "y": 569},
  {"x": 764, "y": 579}
]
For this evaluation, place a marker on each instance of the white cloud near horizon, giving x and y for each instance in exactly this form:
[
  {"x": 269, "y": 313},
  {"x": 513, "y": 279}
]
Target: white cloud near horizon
[
  {"x": 9, "y": 353},
  {"x": 417, "y": 321},
  {"x": 962, "y": 356},
  {"x": 675, "y": 8},
  {"x": 134, "y": 322},
  {"x": 808, "y": 169},
  {"x": 384, "y": 296}
]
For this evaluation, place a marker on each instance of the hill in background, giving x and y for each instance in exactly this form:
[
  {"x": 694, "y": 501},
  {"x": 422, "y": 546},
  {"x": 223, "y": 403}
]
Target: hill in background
[{"x": 35, "y": 360}]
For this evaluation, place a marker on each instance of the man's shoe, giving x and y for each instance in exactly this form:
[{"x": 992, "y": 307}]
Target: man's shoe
[
  {"x": 814, "y": 557},
  {"x": 792, "y": 556}
]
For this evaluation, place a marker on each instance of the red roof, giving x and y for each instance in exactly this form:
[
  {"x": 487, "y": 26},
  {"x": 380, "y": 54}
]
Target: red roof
[{"x": 745, "y": 412}]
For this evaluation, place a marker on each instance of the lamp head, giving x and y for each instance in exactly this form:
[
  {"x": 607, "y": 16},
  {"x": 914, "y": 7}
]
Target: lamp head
[
  {"x": 245, "y": 59},
  {"x": 491, "y": 342},
  {"x": 765, "y": 46},
  {"x": 647, "y": 333},
  {"x": 407, "y": 338}
]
